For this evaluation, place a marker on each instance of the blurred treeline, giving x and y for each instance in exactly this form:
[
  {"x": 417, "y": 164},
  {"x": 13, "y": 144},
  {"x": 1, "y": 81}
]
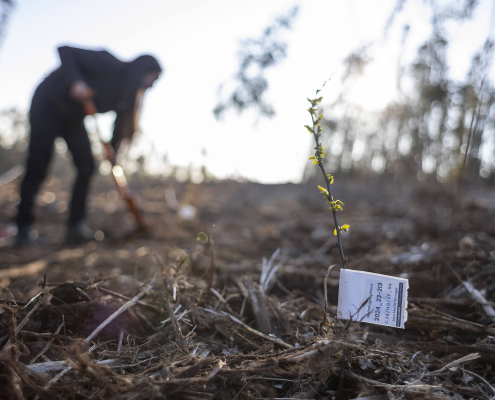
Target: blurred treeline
[
  {"x": 6, "y": 7},
  {"x": 426, "y": 131},
  {"x": 434, "y": 129},
  {"x": 14, "y": 135},
  {"x": 13, "y": 138},
  {"x": 436, "y": 126},
  {"x": 13, "y": 123}
]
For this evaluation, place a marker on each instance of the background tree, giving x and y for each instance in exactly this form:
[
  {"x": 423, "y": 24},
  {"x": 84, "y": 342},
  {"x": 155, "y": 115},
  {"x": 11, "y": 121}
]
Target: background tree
[
  {"x": 14, "y": 130},
  {"x": 255, "y": 56},
  {"x": 426, "y": 129},
  {"x": 6, "y": 7}
]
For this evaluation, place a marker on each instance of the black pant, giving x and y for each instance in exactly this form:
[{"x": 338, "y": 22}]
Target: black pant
[{"x": 46, "y": 125}]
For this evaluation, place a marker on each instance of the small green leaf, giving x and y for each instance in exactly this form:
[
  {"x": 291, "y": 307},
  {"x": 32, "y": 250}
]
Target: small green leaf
[{"x": 323, "y": 190}]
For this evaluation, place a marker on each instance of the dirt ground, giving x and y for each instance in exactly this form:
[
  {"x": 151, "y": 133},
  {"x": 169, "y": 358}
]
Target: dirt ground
[{"x": 226, "y": 335}]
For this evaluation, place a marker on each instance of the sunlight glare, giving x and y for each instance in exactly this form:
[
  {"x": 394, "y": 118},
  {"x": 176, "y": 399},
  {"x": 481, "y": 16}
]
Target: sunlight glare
[{"x": 376, "y": 88}]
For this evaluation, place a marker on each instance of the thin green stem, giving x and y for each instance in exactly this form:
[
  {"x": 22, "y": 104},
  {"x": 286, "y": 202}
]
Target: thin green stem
[{"x": 329, "y": 197}]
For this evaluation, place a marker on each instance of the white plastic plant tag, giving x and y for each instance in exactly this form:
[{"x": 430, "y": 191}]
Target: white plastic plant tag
[{"x": 387, "y": 298}]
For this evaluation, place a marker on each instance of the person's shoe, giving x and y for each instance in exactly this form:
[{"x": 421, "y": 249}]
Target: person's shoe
[
  {"x": 26, "y": 236},
  {"x": 79, "y": 233}
]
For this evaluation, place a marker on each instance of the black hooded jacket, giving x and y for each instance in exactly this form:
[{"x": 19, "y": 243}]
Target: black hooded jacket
[{"x": 114, "y": 82}]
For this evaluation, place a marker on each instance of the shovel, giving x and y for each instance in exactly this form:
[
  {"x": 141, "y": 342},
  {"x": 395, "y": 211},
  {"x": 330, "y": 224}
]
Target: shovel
[{"x": 117, "y": 171}]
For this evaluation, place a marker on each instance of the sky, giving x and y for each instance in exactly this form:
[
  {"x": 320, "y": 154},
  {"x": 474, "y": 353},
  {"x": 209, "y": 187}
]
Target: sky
[{"x": 197, "y": 42}]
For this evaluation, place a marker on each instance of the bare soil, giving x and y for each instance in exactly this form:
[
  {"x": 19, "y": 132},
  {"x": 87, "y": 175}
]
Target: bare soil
[{"x": 229, "y": 339}]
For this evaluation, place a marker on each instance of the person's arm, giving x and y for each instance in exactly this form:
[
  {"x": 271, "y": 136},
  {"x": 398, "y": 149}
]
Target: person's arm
[
  {"x": 126, "y": 123},
  {"x": 123, "y": 129}
]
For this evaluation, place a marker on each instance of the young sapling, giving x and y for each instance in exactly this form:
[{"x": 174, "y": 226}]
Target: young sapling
[{"x": 319, "y": 155}]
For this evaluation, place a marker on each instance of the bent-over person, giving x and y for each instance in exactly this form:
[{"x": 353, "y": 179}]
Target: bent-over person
[{"x": 57, "y": 110}]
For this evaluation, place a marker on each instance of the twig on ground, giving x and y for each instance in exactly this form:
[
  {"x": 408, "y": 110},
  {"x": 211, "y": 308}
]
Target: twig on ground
[
  {"x": 47, "y": 346},
  {"x": 268, "y": 271},
  {"x": 324, "y": 320},
  {"x": 177, "y": 331},
  {"x": 436, "y": 323},
  {"x": 257, "y": 333},
  {"x": 446, "y": 302},
  {"x": 222, "y": 300},
  {"x": 405, "y": 388},
  {"x": 121, "y": 336},
  {"x": 485, "y": 382},
  {"x": 469, "y": 357},
  {"x": 475, "y": 294},
  {"x": 211, "y": 269},
  {"x": 25, "y": 320},
  {"x": 121, "y": 296},
  {"x": 259, "y": 307},
  {"x": 123, "y": 308}
]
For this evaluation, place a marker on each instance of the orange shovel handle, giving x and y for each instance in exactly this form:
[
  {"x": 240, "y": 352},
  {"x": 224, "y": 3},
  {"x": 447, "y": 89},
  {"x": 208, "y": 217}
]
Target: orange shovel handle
[{"x": 89, "y": 107}]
